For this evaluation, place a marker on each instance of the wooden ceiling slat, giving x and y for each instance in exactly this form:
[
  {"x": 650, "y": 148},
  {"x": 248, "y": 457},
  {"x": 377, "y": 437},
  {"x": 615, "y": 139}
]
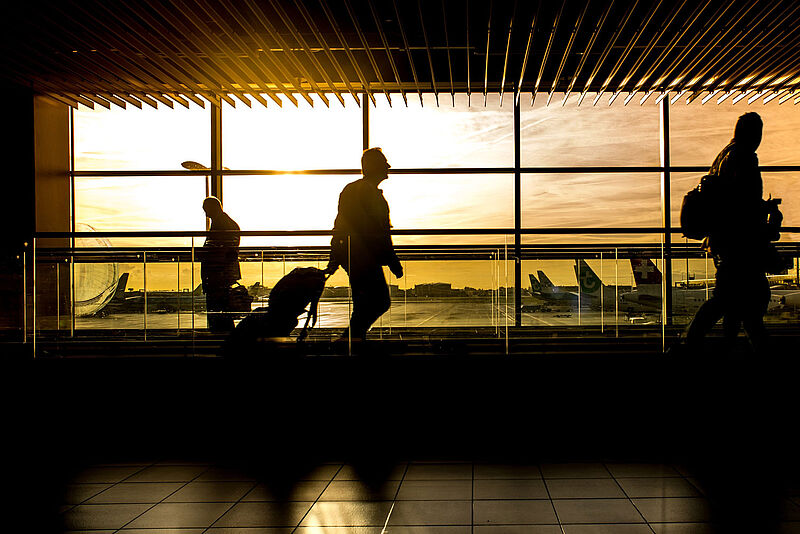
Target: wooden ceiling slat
[
  {"x": 408, "y": 50},
  {"x": 385, "y": 44},
  {"x": 133, "y": 41},
  {"x": 191, "y": 62},
  {"x": 508, "y": 51},
  {"x": 488, "y": 41},
  {"x": 309, "y": 20},
  {"x": 264, "y": 21},
  {"x": 262, "y": 71},
  {"x": 349, "y": 53},
  {"x": 779, "y": 66},
  {"x": 427, "y": 50},
  {"x": 375, "y": 68},
  {"x": 592, "y": 39},
  {"x": 628, "y": 49},
  {"x": 547, "y": 50},
  {"x": 567, "y": 51},
  {"x": 747, "y": 60},
  {"x": 609, "y": 46},
  {"x": 449, "y": 61},
  {"x": 528, "y": 49},
  {"x": 108, "y": 60},
  {"x": 706, "y": 72},
  {"x": 239, "y": 72}
]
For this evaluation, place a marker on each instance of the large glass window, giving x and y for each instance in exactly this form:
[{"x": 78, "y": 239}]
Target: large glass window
[
  {"x": 698, "y": 132},
  {"x": 292, "y": 138},
  {"x": 141, "y": 139},
  {"x": 586, "y": 135},
  {"x": 446, "y": 135}
]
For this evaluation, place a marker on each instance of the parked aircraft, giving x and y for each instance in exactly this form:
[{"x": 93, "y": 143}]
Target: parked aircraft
[
  {"x": 157, "y": 301},
  {"x": 593, "y": 292}
]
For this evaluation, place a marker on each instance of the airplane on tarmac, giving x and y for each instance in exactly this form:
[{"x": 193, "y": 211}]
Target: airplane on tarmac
[
  {"x": 592, "y": 290},
  {"x": 157, "y": 301},
  {"x": 550, "y": 292},
  {"x": 648, "y": 291}
]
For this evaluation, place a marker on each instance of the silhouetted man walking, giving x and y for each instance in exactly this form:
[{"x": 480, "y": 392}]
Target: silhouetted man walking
[
  {"x": 362, "y": 243},
  {"x": 738, "y": 242},
  {"x": 219, "y": 265}
]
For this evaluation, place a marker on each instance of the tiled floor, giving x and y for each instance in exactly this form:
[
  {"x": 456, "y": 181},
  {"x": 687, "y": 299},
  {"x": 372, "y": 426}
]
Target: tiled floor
[{"x": 414, "y": 498}]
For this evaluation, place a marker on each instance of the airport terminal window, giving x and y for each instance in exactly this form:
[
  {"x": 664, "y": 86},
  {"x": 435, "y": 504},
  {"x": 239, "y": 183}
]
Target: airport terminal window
[
  {"x": 590, "y": 200},
  {"x": 444, "y": 135},
  {"x": 586, "y": 135},
  {"x": 140, "y": 203},
  {"x": 698, "y": 132},
  {"x": 141, "y": 139},
  {"x": 292, "y": 138}
]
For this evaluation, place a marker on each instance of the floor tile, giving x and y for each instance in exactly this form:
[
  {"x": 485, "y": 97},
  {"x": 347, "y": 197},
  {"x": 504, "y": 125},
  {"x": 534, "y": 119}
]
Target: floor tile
[
  {"x": 322, "y": 472},
  {"x": 77, "y": 493},
  {"x": 583, "y": 488},
  {"x": 509, "y": 489},
  {"x": 264, "y": 514},
  {"x": 168, "y": 473},
  {"x": 516, "y": 529},
  {"x": 249, "y": 530},
  {"x": 579, "y": 470},
  {"x": 306, "y": 490},
  {"x": 353, "y": 490},
  {"x": 348, "y": 472},
  {"x": 790, "y": 511},
  {"x": 430, "y": 529},
  {"x": 596, "y": 511},
  {"x": 518, "y": 512},
  {"x": 642, "y": 470},
  {"x": 211, "y": 492},
  {"x": 658, "y": 487},
  {"x": 789, "y": 528},
  {"x": 218, "y": 474},
  {"x": 439, "y": 472},
  {"x": 507, "y": 471},
  {"x": 608, "y": 528},
  {"x": 342, "y": 514},
  {"x": 673, "y": 509},
  {"x": 162, "y": 531},
  {"x": 101, "y": 516},
  {"x": 110, "y": 475},
  {"x": 180, "y": 515},
  {"x": 682, "y": 528},
  {"x": 435, "y": 490},
  {"x": 446, "y": 513},
  {"x": 338, "y": 530},
  {"x": 135, "y": 492}
]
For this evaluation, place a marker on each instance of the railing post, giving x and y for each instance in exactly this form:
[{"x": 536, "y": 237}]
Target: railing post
[
  {"x": 517, "y": 218},
  {"x": 666, "y": 217}
]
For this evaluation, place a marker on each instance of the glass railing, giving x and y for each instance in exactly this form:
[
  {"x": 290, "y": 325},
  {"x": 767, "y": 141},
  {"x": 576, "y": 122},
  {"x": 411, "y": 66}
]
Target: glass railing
[{"x": 145, "y": 286}]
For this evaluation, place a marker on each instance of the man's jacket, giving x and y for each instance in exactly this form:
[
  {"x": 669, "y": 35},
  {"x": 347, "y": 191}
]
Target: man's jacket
[{"x": 219, "y": 257}]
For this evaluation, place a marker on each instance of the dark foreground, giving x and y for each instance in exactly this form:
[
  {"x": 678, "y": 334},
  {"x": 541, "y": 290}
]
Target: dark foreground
[{"x": 728, "y": 422}]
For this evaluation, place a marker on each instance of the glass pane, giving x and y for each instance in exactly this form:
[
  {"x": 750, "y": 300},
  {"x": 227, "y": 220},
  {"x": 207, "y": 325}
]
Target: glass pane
[
  {"x": 292, "y": 138},
  {"x": 445, "y": 135},
  {"x": 698, "y": 132},
  {"x": 141, "y": 203},
  {"x": 783, "y": 185},
  {"x": 586, "y": 135},
  {"x": 141, "y": 139},
  {"x": 591, "y": 201}
]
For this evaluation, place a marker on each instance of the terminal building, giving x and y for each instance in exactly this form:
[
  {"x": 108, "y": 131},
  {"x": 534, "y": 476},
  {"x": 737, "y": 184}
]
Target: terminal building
[{"x": 539, "y": 152}]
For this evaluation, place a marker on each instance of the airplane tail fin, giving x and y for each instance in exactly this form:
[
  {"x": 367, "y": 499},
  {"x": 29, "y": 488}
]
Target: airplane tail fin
[
  {"x": 545, "y": 282},
  {"x": 588, "y": 281},
  {"x": 536, "y": 287},
  {"x": 122, "y": 284},
  {"x": 645, "y": 272}
]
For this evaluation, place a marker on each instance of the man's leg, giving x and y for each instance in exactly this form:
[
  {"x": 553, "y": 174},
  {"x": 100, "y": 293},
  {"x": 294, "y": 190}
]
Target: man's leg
[
  {"x": 370, "y": 300},
  {"x": 217, "y": 300},
  {"x": 704, "y": 320}
]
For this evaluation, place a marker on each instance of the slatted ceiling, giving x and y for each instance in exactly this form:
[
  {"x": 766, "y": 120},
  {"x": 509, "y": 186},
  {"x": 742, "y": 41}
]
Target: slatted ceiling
[{"x": 275, "y": 52}]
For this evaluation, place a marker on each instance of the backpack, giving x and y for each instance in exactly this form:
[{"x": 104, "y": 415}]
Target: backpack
[{"x": 699, "y": 208}]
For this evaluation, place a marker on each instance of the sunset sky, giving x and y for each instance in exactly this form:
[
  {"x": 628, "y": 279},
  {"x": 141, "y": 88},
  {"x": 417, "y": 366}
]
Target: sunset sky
[{"x": 429, "y": 136}]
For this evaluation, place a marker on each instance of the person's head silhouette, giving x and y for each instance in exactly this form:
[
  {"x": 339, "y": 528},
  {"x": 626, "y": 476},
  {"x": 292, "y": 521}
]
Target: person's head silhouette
[
  {"x": 212, "y": 206},
  {"x": 747, "y": 133},
  {"x": 374, "y": 165}
]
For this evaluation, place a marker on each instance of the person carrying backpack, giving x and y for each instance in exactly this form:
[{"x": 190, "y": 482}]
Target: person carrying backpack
[
  {"x": 362, "y": 243},
  {"x": 742, "y": 226}
]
